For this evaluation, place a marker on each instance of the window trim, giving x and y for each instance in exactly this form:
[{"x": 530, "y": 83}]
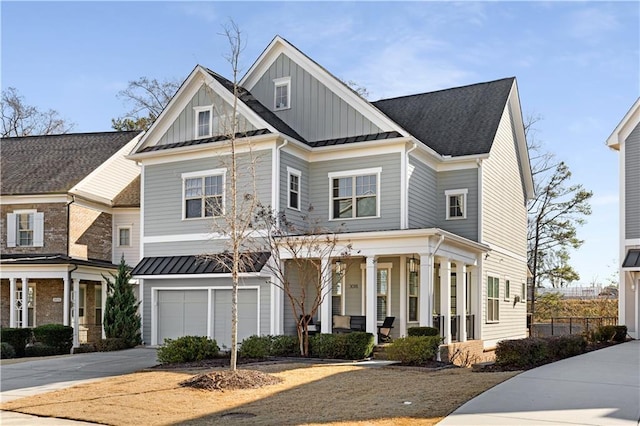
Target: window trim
[
  {"x": 383, "y": 266},
  {"x": 417, "y": 295},
  {"x": 280, "y": 82},
  {"x": 202, "y": 174},
  {"x": 118, "y": 236},
  {"x": 494, "y": 299},
  {"x": 197, "y": 110},
  {"x": 291, "y": 171},
  {"x": 455, "y": 193},
  {"x": 353, "y": 174}
]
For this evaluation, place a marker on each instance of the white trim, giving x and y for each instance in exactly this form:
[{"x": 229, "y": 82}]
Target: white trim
[
  {"x": 204, "y": 174},
  {"x": 196, "y": 125},
  {"x": 358, "y": 172},
  {"x": 120, "y": 227},
  {"x": 631, "y": 242},
  {"x": 353, "y": 174},
  {"x": 191, "y": 276},
  {"x": 625, "y": 127},
  {"x": 174, "y": 238},
  {"x": 455, "y": 193},
  {"x": 34, "y": 199},
  {"x": 486, "y": 319},
  {"x": 298, "y": 173},
  {"x": 282, "y": 82}
]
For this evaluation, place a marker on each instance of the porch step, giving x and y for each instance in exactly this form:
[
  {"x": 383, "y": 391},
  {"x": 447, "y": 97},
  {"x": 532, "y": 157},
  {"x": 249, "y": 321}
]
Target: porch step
[{"x": 379, "y": 351}]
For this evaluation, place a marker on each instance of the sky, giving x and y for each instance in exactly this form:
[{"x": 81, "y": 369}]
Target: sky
[{"x": 577, "y": 65}]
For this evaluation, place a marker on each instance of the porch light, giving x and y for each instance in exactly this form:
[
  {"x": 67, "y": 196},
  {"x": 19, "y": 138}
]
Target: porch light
[
  {"x": 413, "y": 265},
  {"x": 339, "y": 268}
]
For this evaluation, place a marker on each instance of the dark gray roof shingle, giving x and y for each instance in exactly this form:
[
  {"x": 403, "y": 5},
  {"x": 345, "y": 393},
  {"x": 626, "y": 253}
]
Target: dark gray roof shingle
[
  {"x": 53, "y": 164},
  {"x": 457, "y": 121}
]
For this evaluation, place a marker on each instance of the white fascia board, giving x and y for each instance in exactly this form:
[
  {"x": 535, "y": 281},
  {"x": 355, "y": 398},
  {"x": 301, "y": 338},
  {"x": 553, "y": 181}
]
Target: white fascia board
[
  {"x": 279, "y": 45},
  {"x": 34, "y": 199},
  {"x": 521, "y": 140},
  {"x": 622, "y": 131},
  {"x": 91, "y": 197},
  {"x": 461, "y": 163},
  {"x": 125, "y": 210}
]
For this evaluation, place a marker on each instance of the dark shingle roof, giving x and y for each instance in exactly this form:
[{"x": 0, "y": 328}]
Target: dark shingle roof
[
  {"x": 52, "y": 259},
  {"x": 457, "y": 121},
  {"x": 265, "y": 113},
  {"x": 180, "y": 265},
  {"x": 55, "y": 163},
  {"x": 129, "y": 196}
]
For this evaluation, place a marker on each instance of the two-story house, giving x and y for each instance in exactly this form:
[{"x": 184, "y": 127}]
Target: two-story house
[
  {"x": 626, "y": 139},
  {"x": 69, "y": 212},
  {"x": 431, "y": 189}
]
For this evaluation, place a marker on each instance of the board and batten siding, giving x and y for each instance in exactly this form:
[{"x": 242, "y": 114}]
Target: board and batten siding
[
  {"x": 632, "y": 184},
  {"x": 389, "y": 196},
  {"x": 296, "y": 163},
  {"x": 163, "y": 196},
  {"x": 315, "y": 112},
  {"x": 422, "y": 195},
  {"x": 206, "y": 283},
  {"x": 131, "y": 253},
  {"x": 466, "y": 179},
  {"x": 183, "y": 128}
]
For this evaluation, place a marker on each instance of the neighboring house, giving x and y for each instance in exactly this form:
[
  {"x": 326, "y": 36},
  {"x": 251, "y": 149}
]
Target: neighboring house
[
  {"x": 70, "y": 210},
  {"x": 626, "y": 139},
  {"x": 432, "y": 189}
]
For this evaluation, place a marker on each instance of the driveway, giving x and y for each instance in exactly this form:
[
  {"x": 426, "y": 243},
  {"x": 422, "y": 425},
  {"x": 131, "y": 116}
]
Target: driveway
[{"x": 597, "y": 388}]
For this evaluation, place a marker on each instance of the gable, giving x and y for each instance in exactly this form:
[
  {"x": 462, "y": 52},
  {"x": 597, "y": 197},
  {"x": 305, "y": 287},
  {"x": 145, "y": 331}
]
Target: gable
[{"x": 628, "y": 124}]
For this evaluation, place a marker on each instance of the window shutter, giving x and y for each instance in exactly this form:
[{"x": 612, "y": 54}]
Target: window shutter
[
  {"x": 38, "y": 229},
  {"x": 11, "y": 229}
]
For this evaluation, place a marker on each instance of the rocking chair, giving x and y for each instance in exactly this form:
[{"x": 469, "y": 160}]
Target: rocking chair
[{"x": 384, "y": 330}]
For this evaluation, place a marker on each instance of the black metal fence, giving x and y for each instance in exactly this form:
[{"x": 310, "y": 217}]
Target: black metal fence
[{"x": 559, "y": 326}]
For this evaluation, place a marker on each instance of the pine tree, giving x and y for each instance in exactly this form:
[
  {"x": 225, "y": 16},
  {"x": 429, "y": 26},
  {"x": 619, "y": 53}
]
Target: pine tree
[{"x": 121, "y": 317}]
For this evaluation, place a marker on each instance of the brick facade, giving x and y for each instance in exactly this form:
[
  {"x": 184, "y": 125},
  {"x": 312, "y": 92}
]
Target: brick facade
[
  {"x": 55, "y": 228},
  {"x": 466, "y": 353},
  {"x": 90, "y": 233}
]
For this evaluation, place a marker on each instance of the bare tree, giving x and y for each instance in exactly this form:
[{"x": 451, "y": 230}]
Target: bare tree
[
  {"x": 147, "y": 97},
  {"x": 296, "y": 263},
  {"x": 20, "y": 119}
]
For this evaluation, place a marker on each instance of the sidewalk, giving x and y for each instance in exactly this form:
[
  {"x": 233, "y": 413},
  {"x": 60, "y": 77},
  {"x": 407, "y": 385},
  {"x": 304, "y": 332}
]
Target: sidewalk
[{"x": 597, "y": 388}]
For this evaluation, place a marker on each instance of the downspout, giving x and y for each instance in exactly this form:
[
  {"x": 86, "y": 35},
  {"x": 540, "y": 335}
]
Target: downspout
[{"x": 404, "y": 193}]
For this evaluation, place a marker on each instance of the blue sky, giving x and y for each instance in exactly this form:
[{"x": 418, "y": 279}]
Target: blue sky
[{"x": 577, "y": 65}]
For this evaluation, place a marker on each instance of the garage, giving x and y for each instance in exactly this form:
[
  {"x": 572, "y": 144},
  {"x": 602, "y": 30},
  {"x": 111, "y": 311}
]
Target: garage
[{"x": 182, "y": 313}]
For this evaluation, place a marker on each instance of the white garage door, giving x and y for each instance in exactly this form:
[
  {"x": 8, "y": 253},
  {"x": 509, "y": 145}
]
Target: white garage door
[
  {"x": 181, "y": 313},
  {"x": 247, "y": 315}
]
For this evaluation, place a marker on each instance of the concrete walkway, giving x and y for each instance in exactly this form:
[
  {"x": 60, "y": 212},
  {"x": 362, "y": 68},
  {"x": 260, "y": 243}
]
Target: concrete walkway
[{"x": 597, "y": 388}]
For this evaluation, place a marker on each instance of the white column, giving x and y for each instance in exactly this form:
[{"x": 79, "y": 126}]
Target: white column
[
  {"x": 372, "y": 294},
  {"x": 326, "y": 319},
  {"x": 25, "y": 302},
  {"x": 425, "y": 293},
  {"x": 404, "y": 283},
  {"x": 66, "y": 295},
  {"x": 461, "y": 298},
  {"x": 445, "y": 298},
  {"x": 76, "y": 312},
  {"x": 476, "y": 300},
  {"x": 12, "y": 302}
]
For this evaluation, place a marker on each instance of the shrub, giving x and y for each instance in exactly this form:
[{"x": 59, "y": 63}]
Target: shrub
[
  {"x": 187, "y": 349},
  {"x": 422, "y": 331},
  {"x": 7, "y": 351},
  {"x": 560, "y": 347},
  {"x": 621, "y": 333},
  {"x": 522, "y": 353},
  {"x": 16, "y": 337},
  {"x": 256, "y": 347},
  {"x": 327, "y": 345},
  {"x": 84, "y": 348},
  {"x": 285, "y": 346},
  {"x": 358, "y": 345},
  {"x": 39, "y": 349},
  {"x": 57, "y": 336},
  {"x": 111, "y": 344},
  {"x": 414, "y": 350}
]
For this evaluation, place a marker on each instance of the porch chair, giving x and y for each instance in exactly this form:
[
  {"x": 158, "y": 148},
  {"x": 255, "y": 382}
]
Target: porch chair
[
  {"x": 311, "y": 327},
  {"x": 384, "y": 330}
]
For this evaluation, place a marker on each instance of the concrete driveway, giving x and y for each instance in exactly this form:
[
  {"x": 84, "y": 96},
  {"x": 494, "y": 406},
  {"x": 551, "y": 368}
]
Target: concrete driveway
[{"x": 597, "y": 388}]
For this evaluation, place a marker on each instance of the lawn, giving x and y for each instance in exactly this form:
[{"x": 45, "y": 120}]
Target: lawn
[{"x": 309, "y": 394}]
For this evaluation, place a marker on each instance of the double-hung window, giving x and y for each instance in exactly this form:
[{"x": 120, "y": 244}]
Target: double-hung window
[
  {"x": 456, "y": 203},
  {"x": 203, "y": 194},
  {"x": 282, "y": 93},
  {"x": 124, "y": 236},
  {"x": 412, "y": 293},
  {"x": 354, "y": 194},
  {"x": 204, "y": 121},
  {"x": 293, "y": 193},
  {"x": 383, "y": 286},
  {"x": 25, "y": 228},
  {"x": 493, "y": 299}
]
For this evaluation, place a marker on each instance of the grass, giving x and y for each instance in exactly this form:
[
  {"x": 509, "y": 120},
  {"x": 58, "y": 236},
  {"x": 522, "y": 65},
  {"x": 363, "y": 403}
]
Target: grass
[{"x": 309, "y": 395}]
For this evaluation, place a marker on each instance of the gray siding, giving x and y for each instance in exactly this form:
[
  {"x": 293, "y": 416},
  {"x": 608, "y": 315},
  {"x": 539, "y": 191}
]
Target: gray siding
[
  {"x": 632, "y": 184},
  {"x": 265, "y": 297},
  {"x": 390, "y": 186},
  {"x": 296, "y": 290},
  {"x": 163, "y": 192},
  {"x": 289, "y": 160},
  {"x": 459, "y": 179},
  {"x": 422, "y": 195},
  {"x": 316, "y": 112},
  {"x": 183, "y": 128}
]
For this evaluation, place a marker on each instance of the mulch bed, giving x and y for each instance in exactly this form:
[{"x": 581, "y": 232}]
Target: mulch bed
[{"x": 227, "y": 380}]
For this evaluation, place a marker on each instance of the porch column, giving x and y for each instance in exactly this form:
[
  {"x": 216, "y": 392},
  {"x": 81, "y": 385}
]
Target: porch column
[
  {"x": 326, "y": 319},
  {"x": 445, "y": 298},
  {"x": 476, "y": 301},
  {"x": 65, "y": 300},
  {"x": 12, "y": 302},
  {"x": 76, "y": 312},
  {"x": 25, "y": 302},
  {"x": 425, "y": 294},
  {"x": 404, "y": 283},
  {"x": 461, "y": 300},
  {"x": 372, "y": 295}
]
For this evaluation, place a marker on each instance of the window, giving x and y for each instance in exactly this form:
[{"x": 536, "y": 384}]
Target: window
[
  {"x": 412, "y": 290},
  {"x": 203, "y": 194},
  {"x": 456, "y": 203},
  {"x": 25, "y": 228},
  {"x": 507, "y": 290},
  {"x": 337, "y": 290},
  {"x": 382, "y": 286},
  {"x": 124, "y": 237},
  {"x": 81, "y": 304},
  {"x": 523, "y": 291},
  {"x": 355, "y": 194},
  {"x": 493, "y": 299},
  {"x": 31, "y": 305},
  {"x": 293, "y": 197},
  {"x": 204, "y": 121},
  {"x": 282, "y": 93},
  {"x": 98, "y": 290}
]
